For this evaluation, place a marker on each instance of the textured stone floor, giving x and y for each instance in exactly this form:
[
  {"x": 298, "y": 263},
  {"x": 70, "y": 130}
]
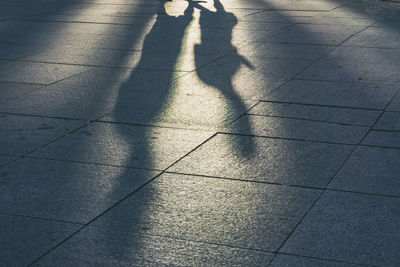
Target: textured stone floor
[{"x": 202, "y": 133}]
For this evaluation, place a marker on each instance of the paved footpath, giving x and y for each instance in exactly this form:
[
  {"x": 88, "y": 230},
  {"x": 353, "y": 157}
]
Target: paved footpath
[{"x": 200, "y": 133}]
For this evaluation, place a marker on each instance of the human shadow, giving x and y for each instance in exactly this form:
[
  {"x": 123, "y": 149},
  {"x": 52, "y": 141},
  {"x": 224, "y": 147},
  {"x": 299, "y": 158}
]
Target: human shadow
[{"x": 224, "y": 80}]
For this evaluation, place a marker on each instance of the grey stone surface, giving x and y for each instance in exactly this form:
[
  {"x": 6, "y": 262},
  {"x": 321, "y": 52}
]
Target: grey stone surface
[
  {"x": 217, "y": 211},
  {"x": 125, "y": 145},
  {"x": 355, "y": 228},
  {"x": 22, "y": 134},
  {"x": 361, "y": 95},
  {"x": 265, "y": 160},
  {"x": 23, "y": 240},
  {"x": 313, "y": 34},
  {"x": 395, "y": 104},
  {"x": 370, "y": 170},
  {"x": 375, "y": 37},
  {"x": 289, "y": 51},
  {"x": 299, "y": 129},
  {"x": 248, "y": 78},
  {"x": 315, "y": 112},
  {"x": 66, "y": 191},
  {"x": 11, "y": 91},
  {"x": 354, "y": 64},
  {"x": 169, "y": 107},
  {"x": 119, "y": 248},
  {"x": 5, "y": 159},
  {"x": 13, "y": 51},
  {"x": 383, "y": 138},
  {"x": 388, "y": 121},
  {"x": 38, "y": 73},
  {"x": 282, "y": 260}
]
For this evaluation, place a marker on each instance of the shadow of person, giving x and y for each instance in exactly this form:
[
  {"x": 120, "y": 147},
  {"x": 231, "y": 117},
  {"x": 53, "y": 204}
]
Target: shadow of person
[{"x": 223, "y": 80}]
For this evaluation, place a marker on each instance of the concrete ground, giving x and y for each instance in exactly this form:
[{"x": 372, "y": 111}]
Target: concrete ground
[{"x": 237, "y": 133}]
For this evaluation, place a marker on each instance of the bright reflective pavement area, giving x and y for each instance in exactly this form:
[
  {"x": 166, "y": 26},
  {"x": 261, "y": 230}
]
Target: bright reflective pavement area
[{"x": 215, "y": 132}]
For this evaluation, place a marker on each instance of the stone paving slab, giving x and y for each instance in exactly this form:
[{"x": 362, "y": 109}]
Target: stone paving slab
[
  {"x": 313, "y": 34},
  {"x": 358, "y": 95},
  {"x": 24, "y": 239},
  {"x": 388, "y": 121},
  {"x": 395, "y": 104},
  {"x": 11, "y": 90},
  {"x": 370, "y": 170},
  {"x": 289, "y": 261},
  {"x": 355, "y": 228},
  {"x": 22, "y": 134},
  {"x": 265, "y": 160},
  {"x": 106, "y": 143},
  {"x": 65, "y": 191},
  {"x": 232, "y": 213},
  {"x": 35, "y": 72},
  {"x": 118, "y": 248},
  {"x": 383, "y": 138},
  {"x": 362, "y": 117},
  {"x": 354, "y": 64},
  {"x": 289, "y": 51},
  {"x": 252, "y": 81},
  {"x": 298, "y": 129},
  {"x": 13, "y": 51},
  {"x": 375, "y": 37},
  {"x": 5, "y": 159}
]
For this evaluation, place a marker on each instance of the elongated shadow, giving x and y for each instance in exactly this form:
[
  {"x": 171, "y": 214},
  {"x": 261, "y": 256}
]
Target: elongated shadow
[{"x": 227, "y": 21}]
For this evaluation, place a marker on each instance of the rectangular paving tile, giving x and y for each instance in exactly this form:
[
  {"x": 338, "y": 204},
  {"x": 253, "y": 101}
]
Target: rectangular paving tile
[
  {"x": 388, "y": 121},
  {"x": 5, "y": 159},
  {"x": 106, "y": 247},
  {"x": 353, "y": 64},
  {"x": 315, "y": 112},
  {"x": 305, "y": 5},
  {"x": 21, "y": 134},
  {"x": 23, "y": 240},
  {"x": 354, "y": 228},
  {"x": 248, "y": 78},
  {"x": 11, "y": 90},
  {"x": 288, "y": 260},
  {"x": 265, "y": 160},
  {"x": 289, "y": 51},
  {"x": 166, "y": 106},
  {"x": 298, "y": 129},
  {"x": 375, "y": 37},
  {"x": 359, "y": 95},
  {"x": 383, "y": 138},
  {"x": 125, "y": 145},
  {"x": 234, "y": 213},
  {"x": 313, "y": 34},
  {"x": 63, "y": 190},
  {"x": 38, "y": 73},
  {"x": 395, "y": 104},
  {"x": 370, "y": 170},
  {"x": 14, "y": 51}
]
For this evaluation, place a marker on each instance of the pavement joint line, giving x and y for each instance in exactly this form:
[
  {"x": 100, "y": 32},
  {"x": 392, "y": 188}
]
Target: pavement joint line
[
  {"x": 286, "y": 138},
  {"x": 40, "y": 116},
  {"x": 316, "y": 200},
  {"x": 253, "y": 181},
  {"x": 379, "y": 116},
  {"x": 324, "y": 259},
  {"x": 92, "y": 163},
  {"x": 372, "y": 47},
  {"x": 96, "y": 217},
  {"x": 319, "y": 105},
  {"x": 39, "y": 218},
  {"x": 348, "y": 82},
  {"x": 81, "y": 22},
  {"x": 305, "y": 119},
  {"x": 318, "y": 59},
  {"x": 385, "y": 130},
  {"x": 89, "y": 65},
  {"x": 241, "y": 115},
  {"x": 150, "y": 125}
]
